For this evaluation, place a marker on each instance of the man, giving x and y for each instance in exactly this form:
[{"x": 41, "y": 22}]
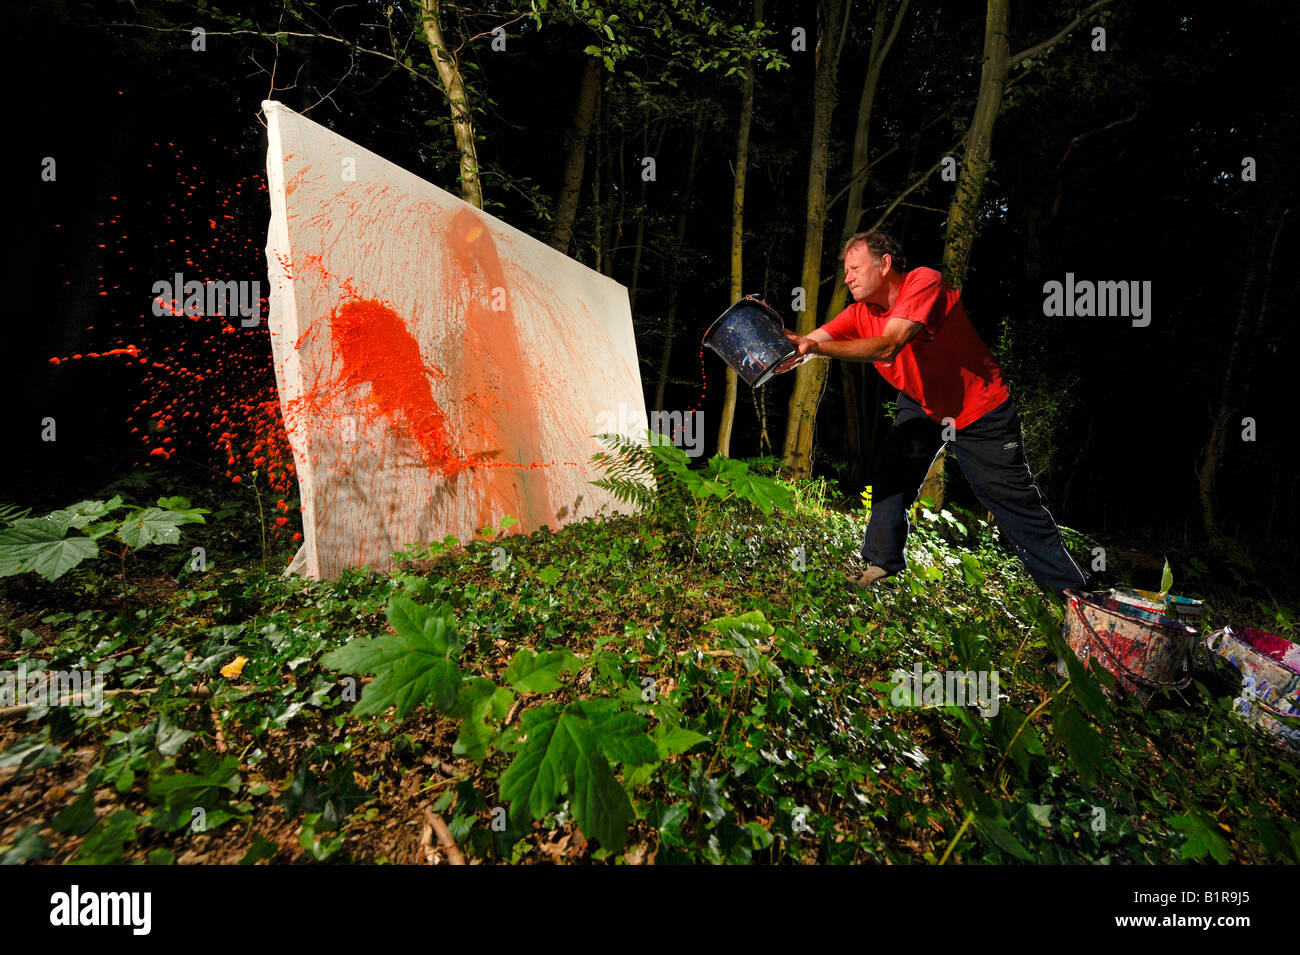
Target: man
[{"x": 913, "y": 326}]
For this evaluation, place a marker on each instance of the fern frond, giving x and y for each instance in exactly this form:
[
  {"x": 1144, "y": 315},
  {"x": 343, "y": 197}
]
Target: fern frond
[{"x": 629, "y": 470}]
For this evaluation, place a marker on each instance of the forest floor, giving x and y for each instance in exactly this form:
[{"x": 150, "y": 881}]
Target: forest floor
[{"x": 697, "y": 685}]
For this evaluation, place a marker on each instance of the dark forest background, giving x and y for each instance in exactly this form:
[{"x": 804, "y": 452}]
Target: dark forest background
[{"x": 1122, "y": 164}]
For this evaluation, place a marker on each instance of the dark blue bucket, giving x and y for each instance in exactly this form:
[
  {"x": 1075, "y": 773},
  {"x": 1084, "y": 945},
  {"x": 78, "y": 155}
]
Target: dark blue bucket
[{"x": 750, "y": 337}]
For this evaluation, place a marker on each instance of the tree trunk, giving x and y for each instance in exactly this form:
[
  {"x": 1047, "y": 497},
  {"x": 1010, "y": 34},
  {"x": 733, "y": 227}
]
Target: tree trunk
[
  {"x": 853, "y": 447},
  {"x": 810, "y": 376},
  {"x": 861, "y": 169},
  {"x": 674, "y": 269},
  {"x": 860, "y": 172},
  {"x": 616, "y": 224},
  {"x": 979, "y": 144},
  {"x": 453, "y": 84},
  {"x": 600, "y": 235},
  {"x": 641, "y": 210},
  {"x": 1240, "y": 355},
  {"x": 738, "y": 234},
  {"x": 963, "y": 212},
  {"x": 567, "y": 205}
]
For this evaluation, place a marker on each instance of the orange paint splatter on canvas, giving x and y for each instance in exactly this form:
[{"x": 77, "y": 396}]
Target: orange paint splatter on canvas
[{"x": 375, "y": 347}]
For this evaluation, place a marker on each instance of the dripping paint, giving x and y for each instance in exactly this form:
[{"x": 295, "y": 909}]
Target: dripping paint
[{"x": 438, "y": 370}]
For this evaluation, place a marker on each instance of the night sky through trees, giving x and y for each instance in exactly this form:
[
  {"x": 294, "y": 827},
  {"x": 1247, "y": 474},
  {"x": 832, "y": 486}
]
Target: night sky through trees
[{"x": 1167, "y": 158}]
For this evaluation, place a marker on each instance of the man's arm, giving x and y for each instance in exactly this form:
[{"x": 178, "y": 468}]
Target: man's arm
[{"x": 898, "y": 332}]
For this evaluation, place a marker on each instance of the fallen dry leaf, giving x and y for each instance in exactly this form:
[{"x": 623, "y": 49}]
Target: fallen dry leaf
[{"x": 234, "y": 668}]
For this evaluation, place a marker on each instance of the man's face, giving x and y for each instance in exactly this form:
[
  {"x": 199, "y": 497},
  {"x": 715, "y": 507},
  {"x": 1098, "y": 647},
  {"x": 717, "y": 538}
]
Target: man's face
[{"x": 864, "y": 276}]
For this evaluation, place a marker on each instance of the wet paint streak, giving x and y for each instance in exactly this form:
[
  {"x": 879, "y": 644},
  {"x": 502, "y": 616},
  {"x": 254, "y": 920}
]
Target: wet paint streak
[
  {"x": 374, "y": 347},
  {"x": 495, "y": 371}
]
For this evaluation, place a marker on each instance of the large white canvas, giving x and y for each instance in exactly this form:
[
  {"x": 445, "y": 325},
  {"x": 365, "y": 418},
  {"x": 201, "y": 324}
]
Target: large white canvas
[{"x": 438, "y": 369}]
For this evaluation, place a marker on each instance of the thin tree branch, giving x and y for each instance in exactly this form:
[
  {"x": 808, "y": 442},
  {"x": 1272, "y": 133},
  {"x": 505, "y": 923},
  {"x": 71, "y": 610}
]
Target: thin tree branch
[
  {"x": 1101, "y": 129},
  {"x": 478, "y": 36},
  {"x": 1056, "y": 38},
  {"x": 290, "y": 33},
  {"x": 916, "y": 184}
]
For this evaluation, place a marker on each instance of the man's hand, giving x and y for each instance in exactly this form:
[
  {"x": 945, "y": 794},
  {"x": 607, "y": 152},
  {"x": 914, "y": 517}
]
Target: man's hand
[{"x": 805, "y": 348}]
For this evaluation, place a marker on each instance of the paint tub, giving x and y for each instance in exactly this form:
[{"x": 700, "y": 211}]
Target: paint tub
[
  {"x": 1183, "y": 609},
  {"x": 1269, "y": 668},
  {"x": 1147, "y": 600},
  {"x": 750, "y": 337},
  {"x": 1145, "y": 650}
]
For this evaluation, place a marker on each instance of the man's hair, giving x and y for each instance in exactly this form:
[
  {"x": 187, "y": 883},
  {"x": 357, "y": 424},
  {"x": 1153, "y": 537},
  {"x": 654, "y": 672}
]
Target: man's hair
[{"x": 879, "y": 244}]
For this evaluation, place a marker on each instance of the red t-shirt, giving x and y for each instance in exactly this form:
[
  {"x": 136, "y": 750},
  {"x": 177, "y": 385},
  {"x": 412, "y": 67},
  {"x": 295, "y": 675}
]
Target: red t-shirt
[{"x": 947, "y": 369}]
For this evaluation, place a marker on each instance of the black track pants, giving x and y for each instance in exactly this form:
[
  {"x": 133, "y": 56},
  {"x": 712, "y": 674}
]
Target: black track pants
[{"x": 991, "y": 454}]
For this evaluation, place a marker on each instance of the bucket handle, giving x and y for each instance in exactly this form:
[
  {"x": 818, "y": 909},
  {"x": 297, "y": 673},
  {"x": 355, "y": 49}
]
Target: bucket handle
[
  {"x": 1137, "y": 677},
  {"x": 1218, "y": 662}
]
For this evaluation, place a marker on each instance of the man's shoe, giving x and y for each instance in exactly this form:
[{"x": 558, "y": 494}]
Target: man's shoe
[{"x": 870, "y": 576}]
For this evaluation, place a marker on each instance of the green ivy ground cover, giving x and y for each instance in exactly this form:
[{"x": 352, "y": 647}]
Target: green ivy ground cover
[{"x": 699, "y": 683}]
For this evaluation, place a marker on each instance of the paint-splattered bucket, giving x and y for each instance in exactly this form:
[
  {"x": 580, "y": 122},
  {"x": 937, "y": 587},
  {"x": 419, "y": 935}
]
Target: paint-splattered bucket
[
  {"x": 750, "y": 337},
  {"x": 1146, "y": 600},
  {"x": 1269, "y": 667},
  {"x": 1183, "y": 609},
  {"x": 1146, "y": 651}
]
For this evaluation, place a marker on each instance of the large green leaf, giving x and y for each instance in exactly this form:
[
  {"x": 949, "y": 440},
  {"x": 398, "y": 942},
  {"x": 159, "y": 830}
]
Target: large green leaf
[
  {"x": 1202, "y": 840},
  {"x": 27, "y": 845},
  {"x": 86, "y": 512},
  {"x": 41, "y": 545},
  {"x": 998, "y": 833},
  {"x": 671, "y": 740},
  {"x": 1081, "y": 742},
  {"x": 152, "y": 525},
  {"x": 181, "y": 793},
  {"x": 570, "y": 750},
  {"x": 1083, "y": 685},
  {"x": 763, "y": 492},
  {"x": 482, "y": 706},
  {"x": 414, "y": 666},
  {"x": 435, "y": 625},
  {"x": 743, "y": 633},
  {"x": 538, "y": 672},
  {"x": 181, "y": 506},
  {"x": 106, "y": 843}
]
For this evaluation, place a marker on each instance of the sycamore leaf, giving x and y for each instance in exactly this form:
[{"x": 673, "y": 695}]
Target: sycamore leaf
[
  {"x": 42, "y": 546},
  {"x": 538, "y": 672},
  {"x": 482, "y": 706},
  {"x": 672, "y": 740},
  {"x": 86, "y": 512},
  {"x": 570, "y": 750},
  {"x": 151, "y": 525},
  {"x": 181, "y": 506},
  {"x": 414, "y": 666},
  {"x": 436, "y": 625},
  {"x": 764, "y": 493}
]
